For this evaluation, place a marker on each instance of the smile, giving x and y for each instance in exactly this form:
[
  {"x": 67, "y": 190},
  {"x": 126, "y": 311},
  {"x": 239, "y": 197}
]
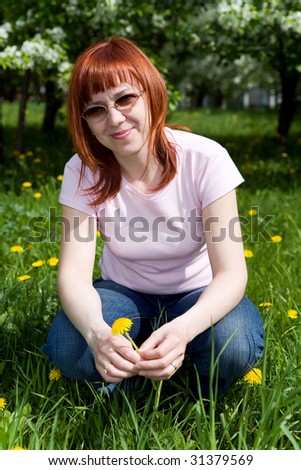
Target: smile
[{"x": 121, "y": 134}]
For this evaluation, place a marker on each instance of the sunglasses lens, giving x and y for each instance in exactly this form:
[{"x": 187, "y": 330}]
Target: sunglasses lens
[
  {"x": 126, "y": 101},
  {"x": 96, "y": 112}
]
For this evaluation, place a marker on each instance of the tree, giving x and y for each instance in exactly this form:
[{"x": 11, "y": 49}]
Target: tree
[
  {"x": 41, "y": 39},
  {"x": 269, "y": 31}
]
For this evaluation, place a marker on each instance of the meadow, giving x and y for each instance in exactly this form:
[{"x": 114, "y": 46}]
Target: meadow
[{"x": 39, "y": 409}]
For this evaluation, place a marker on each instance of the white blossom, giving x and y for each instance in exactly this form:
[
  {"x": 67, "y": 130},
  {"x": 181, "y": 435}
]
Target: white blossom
[{"x": 5, "y": 29}]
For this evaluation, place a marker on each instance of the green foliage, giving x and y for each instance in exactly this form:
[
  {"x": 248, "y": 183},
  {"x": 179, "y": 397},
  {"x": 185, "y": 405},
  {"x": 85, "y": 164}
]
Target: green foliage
[{"x": 43, "y": 414}]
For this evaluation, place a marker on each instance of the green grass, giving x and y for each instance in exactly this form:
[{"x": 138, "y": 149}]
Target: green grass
[{"x": 43, "y": 414}]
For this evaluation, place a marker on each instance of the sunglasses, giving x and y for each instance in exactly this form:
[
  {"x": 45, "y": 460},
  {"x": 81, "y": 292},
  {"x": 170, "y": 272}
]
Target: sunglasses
[{"x": 99, "y": 112}]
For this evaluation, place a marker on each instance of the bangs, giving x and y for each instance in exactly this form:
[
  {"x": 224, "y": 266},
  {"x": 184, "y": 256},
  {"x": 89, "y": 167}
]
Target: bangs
[{"x": 100, "y": 74}]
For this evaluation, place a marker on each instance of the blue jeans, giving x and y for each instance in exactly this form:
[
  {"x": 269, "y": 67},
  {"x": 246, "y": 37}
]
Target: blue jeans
[{"x": 235, "y": 343}]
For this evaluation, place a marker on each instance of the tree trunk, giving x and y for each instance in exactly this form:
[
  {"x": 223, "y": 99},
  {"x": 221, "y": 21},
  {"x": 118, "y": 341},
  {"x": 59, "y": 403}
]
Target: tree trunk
[
  {"x": 53, "y": 104},
  {"x": 22, "y": 110},
  {"x": 288, "y": 107}
]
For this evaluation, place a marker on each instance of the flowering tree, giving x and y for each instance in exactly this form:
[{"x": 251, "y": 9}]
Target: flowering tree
[
  {"x": 270, "y": 32},
  {"x": 40, "y": 39}
]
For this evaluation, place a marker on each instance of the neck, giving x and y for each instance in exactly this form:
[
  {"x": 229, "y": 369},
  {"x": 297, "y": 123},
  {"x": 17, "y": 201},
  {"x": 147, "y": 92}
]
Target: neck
[{"x": 145, "y": 177}]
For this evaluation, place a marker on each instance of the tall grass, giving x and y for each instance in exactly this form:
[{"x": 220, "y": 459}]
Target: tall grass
[{"x": 62, "y": 414}]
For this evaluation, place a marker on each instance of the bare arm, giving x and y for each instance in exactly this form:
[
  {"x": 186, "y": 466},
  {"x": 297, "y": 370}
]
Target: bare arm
[
  {"x": 80, "y": 300},
  {"x": 225, "y": 249}
]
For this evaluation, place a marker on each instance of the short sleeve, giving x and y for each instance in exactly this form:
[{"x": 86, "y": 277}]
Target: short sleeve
[
  {"x": 218, "y": 176},
  {"x": 75, "y": 191}
]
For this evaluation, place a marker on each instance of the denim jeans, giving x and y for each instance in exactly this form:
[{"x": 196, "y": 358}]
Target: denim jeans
[{"x": 218, "y": 356}]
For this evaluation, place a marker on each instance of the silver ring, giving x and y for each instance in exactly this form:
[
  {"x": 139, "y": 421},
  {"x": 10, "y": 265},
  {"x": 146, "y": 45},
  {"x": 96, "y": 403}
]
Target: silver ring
[
  {"x": 174, "y": 365},
  {"x": 106, "y": 369}
]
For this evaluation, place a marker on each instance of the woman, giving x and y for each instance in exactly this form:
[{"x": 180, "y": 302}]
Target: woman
[{"x": 173, "y": 262}]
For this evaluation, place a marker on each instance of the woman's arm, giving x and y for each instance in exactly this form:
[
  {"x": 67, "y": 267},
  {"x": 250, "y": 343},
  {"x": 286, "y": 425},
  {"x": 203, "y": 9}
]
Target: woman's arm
[
  {"x": 81, "y": 302},
  {"x": 225, "y": 249},
  {"x": 229, "y": 272}
]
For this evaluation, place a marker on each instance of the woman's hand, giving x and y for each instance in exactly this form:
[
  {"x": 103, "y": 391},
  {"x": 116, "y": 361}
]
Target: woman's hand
[
  {"x": 114, "y": 356},
  {"x": 162, "y": 353}
]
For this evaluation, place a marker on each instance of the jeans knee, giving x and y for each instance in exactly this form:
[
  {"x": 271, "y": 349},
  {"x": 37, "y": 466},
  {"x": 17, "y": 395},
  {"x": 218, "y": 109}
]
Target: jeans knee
[{"x": 240, "y": 354}]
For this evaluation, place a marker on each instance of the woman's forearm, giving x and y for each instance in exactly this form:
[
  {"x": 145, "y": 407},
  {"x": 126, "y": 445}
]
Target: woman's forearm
[
  {"x": 82, "y": 305},
  {"x": 219, "y": 298}
]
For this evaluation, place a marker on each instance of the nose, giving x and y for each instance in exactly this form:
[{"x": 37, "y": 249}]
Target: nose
[{"x": 114, "y": 115}]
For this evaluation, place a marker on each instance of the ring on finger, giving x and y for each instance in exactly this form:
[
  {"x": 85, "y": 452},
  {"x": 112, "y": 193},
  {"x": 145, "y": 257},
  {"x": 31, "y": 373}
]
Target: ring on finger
[
  {"x": 174, "y": 365},
  {"x": 106, "y": 369}
]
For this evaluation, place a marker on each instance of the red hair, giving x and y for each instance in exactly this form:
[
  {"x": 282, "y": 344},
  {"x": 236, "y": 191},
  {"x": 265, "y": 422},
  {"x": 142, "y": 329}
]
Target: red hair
[{"x": 103, "y": 66}]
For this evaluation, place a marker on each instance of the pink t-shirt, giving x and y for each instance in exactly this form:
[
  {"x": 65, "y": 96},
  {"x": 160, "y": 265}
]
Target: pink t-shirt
[{"x": 154, "y": 243}]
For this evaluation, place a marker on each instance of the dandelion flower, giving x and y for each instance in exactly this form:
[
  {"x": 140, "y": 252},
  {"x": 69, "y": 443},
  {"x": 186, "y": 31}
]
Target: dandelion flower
[
  {"x": 38, "y": 263},
  {"x": 292, "y": 314},
  {"x": 265, "y": 304},
  {"x": 53, "y": 261},
  {"x": 24, "y": 277},
  {"x": 17, "y": 448},
  {"x": 26, "y": 184},
  {"x": 252, "y": 212},
  {"x": 3, "y": 404},
  {"x": 16, "y": 249},
  {"x": 37, "y": 160},
  {"x": 253, "y": 377},
  {"x": 276, "y": 239},
  {"x": 55, "y": 374},
  {"x": 248, "y": 253},
  {"x": 121, "y": 326},
  {"x": 60, "y": 178},
  {"x": 37, "y": 195},
  {"x": 284, "y": 154},
  {"x": 29, "y": 153}
]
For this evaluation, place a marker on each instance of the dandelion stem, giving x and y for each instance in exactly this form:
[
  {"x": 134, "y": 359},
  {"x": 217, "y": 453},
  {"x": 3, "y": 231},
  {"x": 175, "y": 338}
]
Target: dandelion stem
[{"x": 132, "y": 341}]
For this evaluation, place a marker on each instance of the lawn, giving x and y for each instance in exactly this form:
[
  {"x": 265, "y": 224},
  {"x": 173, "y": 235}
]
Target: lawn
[{"x": 39, "y": 410}]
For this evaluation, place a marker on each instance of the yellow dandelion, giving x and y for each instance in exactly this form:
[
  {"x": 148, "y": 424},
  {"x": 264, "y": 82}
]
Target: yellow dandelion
[
  {"x": 24, "y": 277},
  {"x": 252, "y": 212},
  {"x": 253, "y": 377},
  {"x": 37, "y": 160},
  {"x": 60, "y": 177},
  {"x": 26, "y": 184},
  {"x": 29, "y": 153},
  {"x": 37, "y": 195},
  {"x": 21, "y": 156},
  {"x": 55, "y": 374},
  {"x": 38, "y": 149},
  {"x": 292, "y": 313},
  {"x": 121, "y": 326},
  {"x": 3, "y": 404},
  {"x": 17, "y": 448},
  {"x": 276, "y": 239},
  {"x": 265, "y": 304},
  {"x": 38, "y": 263},
  {"x": 16, "y": 249},
  {"x": 248, "y": 253},
  {"x": 53, "y": 261},
  {"x": 284, "y": 154}
]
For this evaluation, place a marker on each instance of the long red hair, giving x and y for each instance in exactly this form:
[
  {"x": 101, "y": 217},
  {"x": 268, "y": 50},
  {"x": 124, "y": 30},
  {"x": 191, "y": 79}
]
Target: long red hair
[{"x": 103, "y": 66}]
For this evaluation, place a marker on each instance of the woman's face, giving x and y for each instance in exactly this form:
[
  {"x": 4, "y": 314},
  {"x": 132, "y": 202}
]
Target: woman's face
[{"x": 124, "y": 131}]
